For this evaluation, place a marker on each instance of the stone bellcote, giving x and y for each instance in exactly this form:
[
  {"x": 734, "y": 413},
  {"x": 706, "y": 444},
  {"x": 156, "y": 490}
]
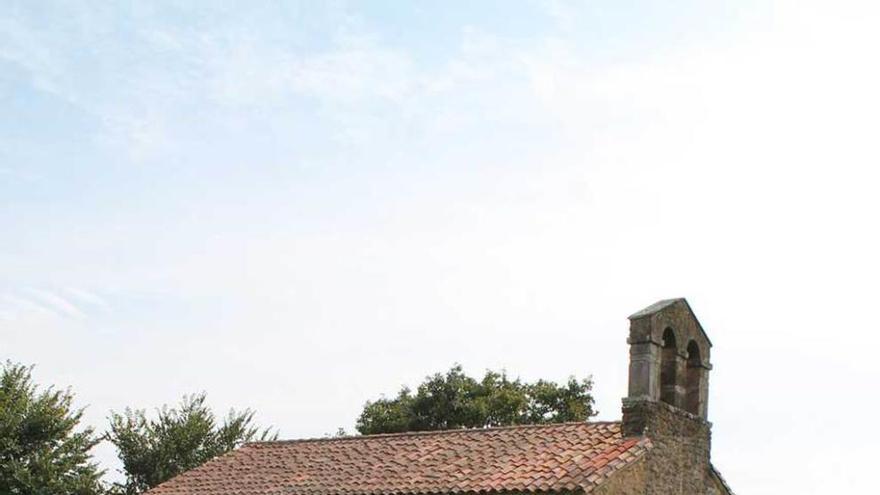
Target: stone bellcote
[{"x": 669, "y": 357}]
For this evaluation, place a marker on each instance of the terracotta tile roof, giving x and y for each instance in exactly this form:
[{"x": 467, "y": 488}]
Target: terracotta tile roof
[{"x": 547, "y": 458}]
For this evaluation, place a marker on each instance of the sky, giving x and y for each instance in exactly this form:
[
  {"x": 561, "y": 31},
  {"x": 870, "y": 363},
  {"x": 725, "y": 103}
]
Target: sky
[{"x": 300, "y": 206}]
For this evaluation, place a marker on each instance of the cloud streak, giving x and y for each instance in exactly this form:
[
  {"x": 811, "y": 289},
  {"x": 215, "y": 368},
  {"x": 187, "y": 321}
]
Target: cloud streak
[{"x": 68, "y": 303}]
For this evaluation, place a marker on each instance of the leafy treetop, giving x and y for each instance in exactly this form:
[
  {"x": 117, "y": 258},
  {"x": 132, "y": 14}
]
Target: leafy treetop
[
  {"x": 43, "y": 451},
  {"x": 455, "y": 400},
  {"x": 178, "y": 439}
]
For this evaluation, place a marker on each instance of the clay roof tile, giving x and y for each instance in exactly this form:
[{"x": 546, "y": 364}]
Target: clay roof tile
[{"x": 547, "y": 458}]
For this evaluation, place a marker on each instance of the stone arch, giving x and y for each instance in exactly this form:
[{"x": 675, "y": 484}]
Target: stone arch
[
  {"x": 694, "y": 376},
  {"x": 669, "y": 367}
]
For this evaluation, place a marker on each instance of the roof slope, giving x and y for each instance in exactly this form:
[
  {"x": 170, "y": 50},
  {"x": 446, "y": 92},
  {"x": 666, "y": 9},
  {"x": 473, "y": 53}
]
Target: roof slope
[{"x": 561, "y": 457}]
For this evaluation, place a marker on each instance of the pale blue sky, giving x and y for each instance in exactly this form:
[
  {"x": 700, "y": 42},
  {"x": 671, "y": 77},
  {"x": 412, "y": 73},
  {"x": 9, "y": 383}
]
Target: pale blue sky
[{"x": 297, "y": 207}]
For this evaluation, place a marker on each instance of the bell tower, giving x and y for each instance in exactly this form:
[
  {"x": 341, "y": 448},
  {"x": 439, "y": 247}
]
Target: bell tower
[
  {"x": 669, "y": 357},
  {"x": 668, "y": 399}
]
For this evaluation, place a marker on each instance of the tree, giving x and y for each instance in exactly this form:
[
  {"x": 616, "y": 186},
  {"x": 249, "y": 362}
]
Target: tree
[
  {"x": 455, "y": 400},
  {"x": 155, "y": 450},
  {"x": 43, "y": 450}
]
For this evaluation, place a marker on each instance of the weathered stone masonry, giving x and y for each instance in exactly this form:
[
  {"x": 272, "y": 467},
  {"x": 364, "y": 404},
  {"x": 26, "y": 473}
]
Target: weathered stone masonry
[
  {"x": 669, "y": 357},
  {"x": 668, "y": 401}
]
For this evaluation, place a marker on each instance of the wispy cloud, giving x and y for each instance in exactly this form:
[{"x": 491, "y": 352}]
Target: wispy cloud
[
  {"x": 53, "y": 301},
  {"x": 16, "y": 306},
  {"x": 88, "y": 297},
  {"x": 47, "y": 302},
  {"x": 171, "y": 78}
]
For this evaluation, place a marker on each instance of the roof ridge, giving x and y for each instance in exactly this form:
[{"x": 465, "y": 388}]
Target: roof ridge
[{"x": 351, "y": 438}]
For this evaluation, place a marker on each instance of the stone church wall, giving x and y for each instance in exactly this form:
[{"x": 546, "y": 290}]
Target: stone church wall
[
  {"x": 679, "y": 462},
  {"x": 628, "y": 481}
]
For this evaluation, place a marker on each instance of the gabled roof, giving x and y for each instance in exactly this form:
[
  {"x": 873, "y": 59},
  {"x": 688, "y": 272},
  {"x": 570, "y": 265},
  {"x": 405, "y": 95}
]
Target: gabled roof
[
  {"x": 568, "y": 457},
  {"x": 665, "y": 303},
  {"x": 656, "y": 307}
]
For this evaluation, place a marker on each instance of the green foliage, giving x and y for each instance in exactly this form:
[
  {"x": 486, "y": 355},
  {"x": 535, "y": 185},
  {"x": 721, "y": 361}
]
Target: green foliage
[
  {"x": 41, "y": 451},
  {"x": 455, "y": 400},
  {"x": 178, "y": 439},
  {"x": 387, "y": 415}
]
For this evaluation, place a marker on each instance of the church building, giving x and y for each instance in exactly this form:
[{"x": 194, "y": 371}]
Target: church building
[{"x": 661, "y": 445}]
